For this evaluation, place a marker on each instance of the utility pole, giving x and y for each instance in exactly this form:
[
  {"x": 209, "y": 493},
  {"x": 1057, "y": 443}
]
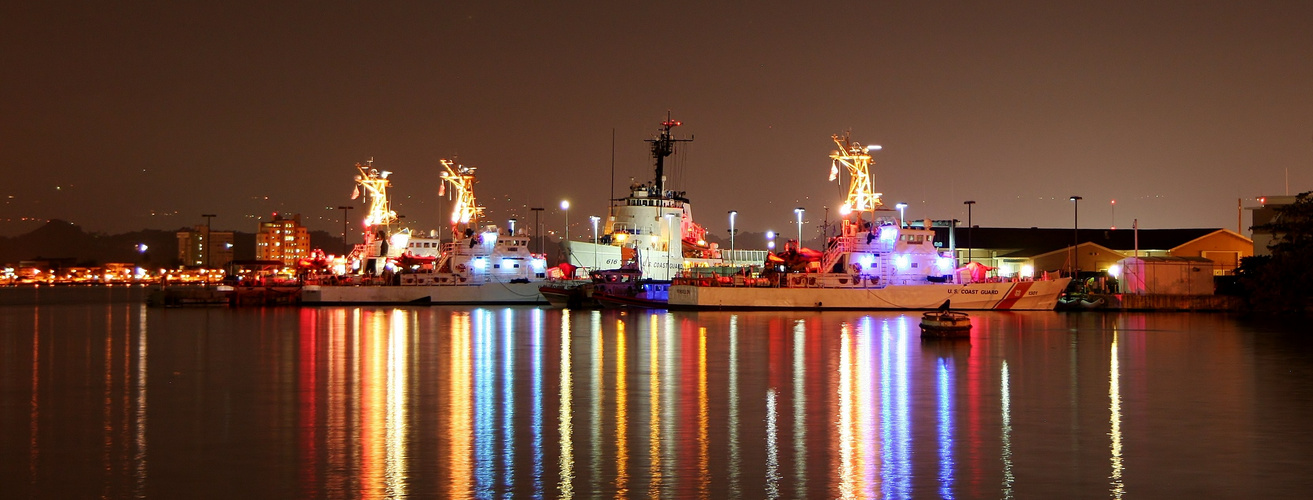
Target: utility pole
[
  {"x": 345, "y": 249},
  {"x": 536, "y": 227}
]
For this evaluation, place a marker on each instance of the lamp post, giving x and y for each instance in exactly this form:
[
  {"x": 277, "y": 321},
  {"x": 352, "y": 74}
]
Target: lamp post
[
  {"x": 770, "y": 240},
  {"x": 345, "y": 223},
  {"x": 536, "y": 227},
  {"x": 902, "y": 214},
  {"x": 594, "y": 219},
  {"x": 799, "y": 212},
  {"x": 732, "y": 213},
  {"x": 968, "y": 203},
  {"x": 565, "y": 205},
  {"x": 1075, "y": 235}
]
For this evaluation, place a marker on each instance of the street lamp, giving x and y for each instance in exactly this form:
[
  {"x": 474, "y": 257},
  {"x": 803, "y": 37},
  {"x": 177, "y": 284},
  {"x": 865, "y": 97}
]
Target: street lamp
[
  {"x": 565, "y": 205},
  {"x": 770, "y": 240},
  {"x": 345, "y": 250},
  {"x": 594, "y": 219},
  {"x": 968, "y": 203},
  {"x": 732, "y": 213},
  {"x": 799, "y": 212},
  {"x": 1075, "y": 235},
  {"x": 902, "y": 215},
  {"x": 536, "y": 227}
]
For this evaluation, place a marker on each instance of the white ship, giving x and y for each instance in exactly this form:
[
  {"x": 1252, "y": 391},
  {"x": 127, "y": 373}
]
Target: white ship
[
  {"x": 653, "y": 226},
  {"x": 875, "y": 263},
  {"x": 479, "y": 265}
]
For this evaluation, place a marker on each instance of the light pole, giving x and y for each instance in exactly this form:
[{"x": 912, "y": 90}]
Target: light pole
[
  {"x": 732, "y": 213},
  {"x": 565, "y": 205},
  {"x": 968, "y": 203},
  {"x": 799, "y": 212},
  {"x": 345, "y": 223},
  {"x": 536, "y": 226},
  {"x": 1075, "y": 235},
  {"x": 770, "y": 240},
  {"x": 902, "y": 214},
  {"x": 594, "y": 219}
]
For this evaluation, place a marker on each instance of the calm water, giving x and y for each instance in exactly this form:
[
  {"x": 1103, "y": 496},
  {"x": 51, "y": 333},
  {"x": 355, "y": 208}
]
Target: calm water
[{"x": 118, "y": 400}]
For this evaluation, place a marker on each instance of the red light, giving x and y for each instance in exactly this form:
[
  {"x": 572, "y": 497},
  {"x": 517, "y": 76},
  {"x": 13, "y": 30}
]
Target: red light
[{"x": 1262, "y": 200}]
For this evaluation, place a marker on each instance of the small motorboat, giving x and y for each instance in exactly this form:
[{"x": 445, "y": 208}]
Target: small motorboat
[{"x": 945, "y": 323}]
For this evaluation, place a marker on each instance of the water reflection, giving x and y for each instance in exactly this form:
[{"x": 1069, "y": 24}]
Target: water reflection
[{"x": 535, "y": 403}]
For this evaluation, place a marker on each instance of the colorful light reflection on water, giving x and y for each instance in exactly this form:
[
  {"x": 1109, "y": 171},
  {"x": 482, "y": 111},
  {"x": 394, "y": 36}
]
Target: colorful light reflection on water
[{"x": 539, "y": 403}]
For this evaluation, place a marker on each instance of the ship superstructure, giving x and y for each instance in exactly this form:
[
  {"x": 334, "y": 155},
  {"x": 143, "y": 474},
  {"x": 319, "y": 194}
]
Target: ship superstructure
[{"x": 653, "y": 225}]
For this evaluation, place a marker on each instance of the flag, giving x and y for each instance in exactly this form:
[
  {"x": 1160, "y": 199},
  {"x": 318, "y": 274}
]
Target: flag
[
  {"x": 834, "y": 171},
  {"x": 355, "y": 193},
  {"x": 442, "y": 189}
]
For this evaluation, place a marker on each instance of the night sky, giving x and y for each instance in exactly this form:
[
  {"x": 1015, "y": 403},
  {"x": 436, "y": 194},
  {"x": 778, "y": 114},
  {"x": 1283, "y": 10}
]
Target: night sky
[{"x": 120, "y": 116}]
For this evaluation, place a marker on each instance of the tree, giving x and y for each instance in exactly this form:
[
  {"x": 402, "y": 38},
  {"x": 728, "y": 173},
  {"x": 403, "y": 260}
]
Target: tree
[{"x": 1284, "y": 281}]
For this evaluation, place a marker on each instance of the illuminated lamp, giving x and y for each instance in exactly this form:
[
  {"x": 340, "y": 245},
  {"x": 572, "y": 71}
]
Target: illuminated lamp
[
  {"x": 903, "y": 262},
  {"x": 1005, "y": 269},
  {"x": 888, "y": 233},
  {"x": 539, "y": 264},
  {"x": 1027, "y": 271},
  {"x": 479, "y": 263},
  {"x": 845, "y": 209},
  {"x": 507, "y": 262},
  {"x": 1115, "y": 271},
  {"x": 620, "y": 237},
  {"x": 866, "y": 260},
  {"x": 945, "y": 264},
  {"x": 488, "y": 238}
]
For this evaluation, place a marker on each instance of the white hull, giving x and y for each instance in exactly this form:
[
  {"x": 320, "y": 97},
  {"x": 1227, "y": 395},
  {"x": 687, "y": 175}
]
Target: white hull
[
  {"x": 1016, "y": 296},
  {"x": 487, "y": 293}
]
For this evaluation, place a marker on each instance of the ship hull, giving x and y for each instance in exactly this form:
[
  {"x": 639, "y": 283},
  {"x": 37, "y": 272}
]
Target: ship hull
[
  {"x": 1013, "y": 296},
  {"x": 488, "y": 293}
]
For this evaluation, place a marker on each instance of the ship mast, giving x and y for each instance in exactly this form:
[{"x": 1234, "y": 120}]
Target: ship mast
[
  {"x": 663, "y": 146},
  {"x": 374, "y": 184},
  {"x": 465, "y": 212},
  {"x": 857, "y": 159}
]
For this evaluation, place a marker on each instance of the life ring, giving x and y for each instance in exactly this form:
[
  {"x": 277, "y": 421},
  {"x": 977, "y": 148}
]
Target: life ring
[
  {"x": 460, "y": 268},
  {"x": 811, "y": 281},
  {"x": 797, "y": 280},
  {"x": 462, "y": 279}
]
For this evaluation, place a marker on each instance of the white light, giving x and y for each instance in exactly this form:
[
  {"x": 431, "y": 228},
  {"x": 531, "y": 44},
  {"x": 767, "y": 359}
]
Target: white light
[
  {"x": 874, "y": 147},
  {"x": 903, "y": 262},
  {"x": 770, "y": 235},
  {"x": 1027, "y": 271},
  {"x": 565, "y": 204},
  {"x": 1115, "y": 271}
]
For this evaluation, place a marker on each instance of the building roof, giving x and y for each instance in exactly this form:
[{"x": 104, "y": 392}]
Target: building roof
[{"x": 1036, "y": 241}]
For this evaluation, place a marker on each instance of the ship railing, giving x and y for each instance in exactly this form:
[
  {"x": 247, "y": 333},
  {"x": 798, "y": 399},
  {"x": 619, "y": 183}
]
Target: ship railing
[{"x": 837, "y": 249}]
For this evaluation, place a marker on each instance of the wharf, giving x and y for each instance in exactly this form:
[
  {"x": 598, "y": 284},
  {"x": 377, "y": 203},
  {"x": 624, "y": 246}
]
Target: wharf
[{"x": 1161, "y": 302}]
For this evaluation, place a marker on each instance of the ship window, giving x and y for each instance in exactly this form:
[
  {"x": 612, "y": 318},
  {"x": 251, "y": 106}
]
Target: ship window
[
  {"x": 514, "y": 249},
  {"x": 496, "y": 266}
]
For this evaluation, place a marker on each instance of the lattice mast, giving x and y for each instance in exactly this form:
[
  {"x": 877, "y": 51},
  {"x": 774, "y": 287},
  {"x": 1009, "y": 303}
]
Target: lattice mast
[
  {"x": 374, "y": 183},
  {"x": 663, "y": 146},
  {"x": 861, "y": 189},
  {"x": 465, "y": 212}
]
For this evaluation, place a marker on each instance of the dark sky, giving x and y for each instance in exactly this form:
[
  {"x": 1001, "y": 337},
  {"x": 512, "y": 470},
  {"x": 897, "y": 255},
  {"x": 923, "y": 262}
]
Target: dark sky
[{"x": 126, "y": 115}]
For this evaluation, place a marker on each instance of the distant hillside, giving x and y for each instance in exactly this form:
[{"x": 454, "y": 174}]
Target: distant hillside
[{"x": 61, "y": 239}]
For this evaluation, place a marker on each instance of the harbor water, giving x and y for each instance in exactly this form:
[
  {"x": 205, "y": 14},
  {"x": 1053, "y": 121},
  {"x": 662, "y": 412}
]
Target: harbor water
[{"x": 117, "y": 400}]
